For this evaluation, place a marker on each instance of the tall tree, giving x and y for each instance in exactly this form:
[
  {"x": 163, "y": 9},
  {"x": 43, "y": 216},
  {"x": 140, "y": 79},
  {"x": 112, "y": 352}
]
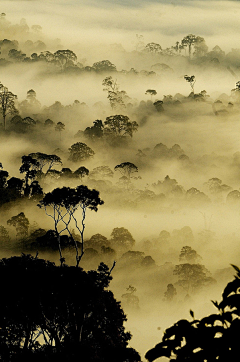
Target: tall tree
[
  {"x": 30, "y": 167},
  {"x": 59, "y": 128},
  {"x": 7, "y": 103},
  {"x": 189, "y": 41},
  {"x": 191, "y": 80},
  {"x": 116, "y": 97},
  {"x": 63, "y": 204}
]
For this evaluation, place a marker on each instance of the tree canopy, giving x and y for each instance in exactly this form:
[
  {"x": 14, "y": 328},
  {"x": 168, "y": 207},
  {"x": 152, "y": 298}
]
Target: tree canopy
[{"x": 72, "y": 311}]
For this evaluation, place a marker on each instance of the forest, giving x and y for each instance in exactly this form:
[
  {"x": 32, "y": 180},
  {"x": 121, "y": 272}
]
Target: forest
[{"x": 119, "y": 195}]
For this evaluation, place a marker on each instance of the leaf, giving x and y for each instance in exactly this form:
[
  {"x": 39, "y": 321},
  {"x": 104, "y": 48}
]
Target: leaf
[
  {"x": 233, "y": 301},
  {"x": 191, "y": 313},
  {"x": 211, "y": 319},
  {"x": 236, "y": 268},
  {"x": 231, "y": 287},
  {"x": 215, "y": 304},
  {"x": 160, "y": 350}
]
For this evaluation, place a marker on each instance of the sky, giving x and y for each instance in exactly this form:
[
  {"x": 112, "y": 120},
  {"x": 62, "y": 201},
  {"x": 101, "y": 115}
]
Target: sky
[{"x": 119, "y": 21}]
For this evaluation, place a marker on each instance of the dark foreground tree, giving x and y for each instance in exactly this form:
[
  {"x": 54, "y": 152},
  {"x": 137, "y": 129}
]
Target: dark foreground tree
[
  {"x": 50, "y": 313},
  {"x": 214, "y": 338}
]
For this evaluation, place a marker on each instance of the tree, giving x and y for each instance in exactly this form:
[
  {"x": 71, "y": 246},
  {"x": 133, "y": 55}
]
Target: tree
[
  {"x": 126, "y": 169},
  {"x": 81, "y": 172},
  {"x": 189, "y": 41},
  {"x": 96, "y": 131},
  {"x": 116, "y": 97},
  {"x": 104, "y": 66},
  {"x": 191, "y": 80},
  {"x": 75, "y": 316},
  {"x": 122, "y": 238},
  {"x": 3, "y": 179},
  {"x": 130, "y": 299},
  {"x": 4, "y": 237},
  {"x": 158, "y": 105},
  {"x": 7, "y": 103},
  {"x": 30, "y": 167},
  {"x": 63, "y": 204},
  {"x": 80, "y": 152},
  {"x": 59, "y": 128},
  {"x": 98, "y": 241},
  {"x": 16, "y": 55},
  {"x": 212, "y": 338},
  {"x": 48, "y": 123},
  {"x": 65, "y": 58},
  {"x": 152, "y": 92},
  {"x": 101, "y": 172},
  {"x": 120, "y": 126},
  {"x": 189, "y": 255},
  {"x": 200, "y": 48},
  {"x": 153, "y": 48},
  {"x": 44, "y": 159},
  {"x": 21, "y": 223},
  {"x": 15, "y": 188},
  {"x": 170, "y": 293},
  {"x": 192, "y": 276}
]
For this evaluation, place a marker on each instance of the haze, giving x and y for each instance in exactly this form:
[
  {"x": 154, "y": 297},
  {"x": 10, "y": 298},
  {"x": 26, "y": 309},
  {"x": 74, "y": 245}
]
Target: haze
[{"x": 206, "y": 132}]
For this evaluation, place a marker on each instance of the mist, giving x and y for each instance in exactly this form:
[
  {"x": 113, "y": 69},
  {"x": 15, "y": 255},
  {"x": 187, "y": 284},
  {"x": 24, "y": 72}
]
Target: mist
[{"x": 184, "y": 188}]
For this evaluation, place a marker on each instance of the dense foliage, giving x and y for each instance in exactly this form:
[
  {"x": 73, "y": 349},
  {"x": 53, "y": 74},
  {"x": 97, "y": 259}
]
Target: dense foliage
[
  {"x": 55, "y": 312},
  {"x": 212, "y": 338}
]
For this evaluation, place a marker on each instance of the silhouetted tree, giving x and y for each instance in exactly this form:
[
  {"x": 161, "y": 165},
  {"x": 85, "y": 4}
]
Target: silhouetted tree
[
  {"x": 81, "y": 172},
  {"x": 158, "y": 105},
  {"x": 104, "y": 66},
  {"x": 70, "y": 315},
  {"x": 30, "y": 167},
  {"x": 191, "y": 80},
  {"x": 122, "y": 238},
  {"x": 152, "y": 92},
  {"x": 130, "y": 299},
  {"x": 189, "y": 255},
  {"x": 192, "y": 276},
  {"x": 45, "y": 160},
  {"x": 7, "y": 103},
  {"x": 63, "y": 204},
  {"x": 189, "y": 41},
  {"x": 96, "y": 131},
  {"x": 126, "y": 169},
  {"x": 115, "y": 96},
  {"x": 65, "y": 58},
  {"x": 153, "y": 48},
  {"x": 21, "y": 223},
  {"x": 120, "y": 125},
  {"x": 80, "y": 152},
  {"x": 59, "y": 128}
]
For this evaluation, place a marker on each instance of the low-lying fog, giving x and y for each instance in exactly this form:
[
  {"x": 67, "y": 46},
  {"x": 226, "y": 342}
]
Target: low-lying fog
[{"x": 206, "y": 132}]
